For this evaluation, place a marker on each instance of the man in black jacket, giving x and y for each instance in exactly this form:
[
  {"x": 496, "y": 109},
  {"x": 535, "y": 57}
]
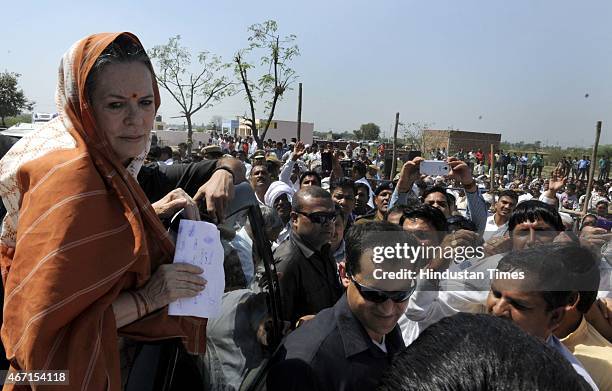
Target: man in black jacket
[
  {"x": 349, "y": 346},
  {"x": 308, "y": 282}
]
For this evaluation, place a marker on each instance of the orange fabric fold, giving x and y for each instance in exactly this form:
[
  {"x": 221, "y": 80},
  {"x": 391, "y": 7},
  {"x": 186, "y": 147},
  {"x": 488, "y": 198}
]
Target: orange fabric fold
[{"x": 79, "y": 230}]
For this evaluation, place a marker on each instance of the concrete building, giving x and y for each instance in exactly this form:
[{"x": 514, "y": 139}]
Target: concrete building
[
  {"x": 159, "y": 123},
  {"x": 454, "y": 140},
  {"x": 280, "y": 129},
  {"x": 230, "y": 127},
  {"x": 175, "y": 137}
]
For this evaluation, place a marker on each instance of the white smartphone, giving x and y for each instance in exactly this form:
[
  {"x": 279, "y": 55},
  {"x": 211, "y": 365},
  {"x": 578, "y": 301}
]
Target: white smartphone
[{"x": 434, "y": 167}]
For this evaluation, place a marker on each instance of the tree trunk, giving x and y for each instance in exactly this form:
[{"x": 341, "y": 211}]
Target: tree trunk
[
  {"x": 189, "y": 135},
  {"x": 258, "y": 139}
]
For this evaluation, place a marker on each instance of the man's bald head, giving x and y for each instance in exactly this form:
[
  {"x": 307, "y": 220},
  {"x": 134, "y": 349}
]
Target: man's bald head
[{"x": 304, "y": 193}]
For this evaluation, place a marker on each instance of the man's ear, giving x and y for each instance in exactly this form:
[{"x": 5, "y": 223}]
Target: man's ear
[
  {"x": 573, "y": 301},
  {"x": 342, "y": 272},
  {"x": 556, "y": 317}
]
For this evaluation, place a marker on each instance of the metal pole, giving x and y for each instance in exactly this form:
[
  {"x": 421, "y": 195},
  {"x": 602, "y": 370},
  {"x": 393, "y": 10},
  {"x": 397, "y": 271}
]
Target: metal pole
[
  {"x": 299, "y": 121},
  {"x": 491, "y": 169},
  {"x": 394, "y": 162},
  {"x": 587, "y": 201}
]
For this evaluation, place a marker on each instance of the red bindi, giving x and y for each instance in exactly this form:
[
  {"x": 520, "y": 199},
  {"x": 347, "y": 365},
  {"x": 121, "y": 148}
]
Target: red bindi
[{"x": 134, "y": 96}]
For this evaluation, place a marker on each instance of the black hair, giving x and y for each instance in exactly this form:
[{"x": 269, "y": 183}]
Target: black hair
[
  {"x": 533, "y": 210},
  {"x": 571, "y": 186},
  {"x": 343, "y": 183},
  {"x": 411, "y": 203},
  {"x": 557, "y": 270},
  {"x": 359, "y": 185},
  {"x": 124, "y": 49},
  {"x": 310, "y": 173},
  {"x": 360, "y": 168},
  {"x": 308, "y": 191},
  {"x": 428, "y": 213},
  {"x": 456, "y": 223},
  {"x": 479, "y": 352},
  {"x": 438, "y": 189},
  {"x": 155, "y": 152},
  {"x": 420, "y": 184},
  {"x": 167, "y": 150},
  {"x": 510, "y": 194},
  {"x": 366, "y": 236}
]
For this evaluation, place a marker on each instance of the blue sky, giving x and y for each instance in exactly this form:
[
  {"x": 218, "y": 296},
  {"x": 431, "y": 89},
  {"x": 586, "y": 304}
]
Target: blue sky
[{"x": 524, "y": 66}]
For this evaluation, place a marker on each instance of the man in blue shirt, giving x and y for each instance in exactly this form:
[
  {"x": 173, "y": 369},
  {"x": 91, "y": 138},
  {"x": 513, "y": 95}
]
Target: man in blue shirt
[{"x": 583, "y": 166}]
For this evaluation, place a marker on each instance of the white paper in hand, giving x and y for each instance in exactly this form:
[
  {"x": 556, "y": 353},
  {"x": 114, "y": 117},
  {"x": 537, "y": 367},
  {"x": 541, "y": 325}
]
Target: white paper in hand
[{"x": 199, "y": 243}]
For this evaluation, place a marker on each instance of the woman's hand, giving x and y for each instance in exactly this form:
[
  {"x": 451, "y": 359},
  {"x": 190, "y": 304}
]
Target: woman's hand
[
  {"x": 171, "y": 282},
  {"x": 174, "y": 201},
  {"x": 217, "y": 192}
]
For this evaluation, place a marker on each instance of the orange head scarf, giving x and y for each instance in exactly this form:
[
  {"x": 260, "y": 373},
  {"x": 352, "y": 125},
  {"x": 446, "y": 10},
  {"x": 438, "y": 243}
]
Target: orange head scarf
[{"x": 79, "y": 230}]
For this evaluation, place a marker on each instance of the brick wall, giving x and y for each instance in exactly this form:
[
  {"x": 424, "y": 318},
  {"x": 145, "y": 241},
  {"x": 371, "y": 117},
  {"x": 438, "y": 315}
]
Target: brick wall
[
  {"x": 472, "y": 141},
  {"x": 434, "y": 139}
]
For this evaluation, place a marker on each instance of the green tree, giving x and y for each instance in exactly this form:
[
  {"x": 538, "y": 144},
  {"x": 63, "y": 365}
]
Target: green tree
[
  {"x": 21, "y": 118},
  {"x": 277, "y": 78},
  {"x": 12, "y": 98},
  {"x": 193, "y": 91},
  {"x": 369, "y": 131}
]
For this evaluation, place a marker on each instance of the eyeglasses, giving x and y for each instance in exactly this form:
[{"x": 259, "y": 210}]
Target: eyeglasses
[
  {"x": 378, "y": 296},
  {"x": 320, "y": 217}
]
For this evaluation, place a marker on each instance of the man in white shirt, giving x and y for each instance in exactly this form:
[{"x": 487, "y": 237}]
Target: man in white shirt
[
  {"x": 436, "y": 299},
  {"x": 289, "y": 168},
  {"x": 497, "y": 223}
]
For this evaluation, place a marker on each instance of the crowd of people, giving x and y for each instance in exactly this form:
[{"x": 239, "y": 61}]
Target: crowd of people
[
  {"x": 331, "y": 216},
  {"x": 88, "y": 272}
]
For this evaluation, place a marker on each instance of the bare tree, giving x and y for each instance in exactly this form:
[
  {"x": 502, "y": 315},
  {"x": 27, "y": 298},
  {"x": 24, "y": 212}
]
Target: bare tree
[
  {"x": 192, "y": 91},
  {"x": 271, "y": 85},
  {"x": 413, "y": 133}
]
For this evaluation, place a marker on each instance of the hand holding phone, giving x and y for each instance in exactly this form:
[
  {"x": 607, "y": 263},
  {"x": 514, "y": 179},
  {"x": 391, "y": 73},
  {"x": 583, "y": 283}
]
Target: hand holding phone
[{"x": 434, "y": 168}]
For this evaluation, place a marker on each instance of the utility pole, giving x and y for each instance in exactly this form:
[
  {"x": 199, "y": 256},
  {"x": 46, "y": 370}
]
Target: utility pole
[
  {"x": 394, "y": 162},
  {"x": 491, "y": 168},
  {"x": 299, "y": 121},
  {"x": 587, "y": 199}
]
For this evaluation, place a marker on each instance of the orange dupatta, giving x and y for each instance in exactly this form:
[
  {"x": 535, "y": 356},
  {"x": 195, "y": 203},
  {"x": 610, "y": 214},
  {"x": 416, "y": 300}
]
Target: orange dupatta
[{"x": 79, "y": 230}]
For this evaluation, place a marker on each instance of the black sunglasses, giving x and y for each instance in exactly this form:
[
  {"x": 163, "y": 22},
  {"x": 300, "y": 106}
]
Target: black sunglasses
[
  {"x": 379, "y": 296},
  {"x": 320, "y": 217}
]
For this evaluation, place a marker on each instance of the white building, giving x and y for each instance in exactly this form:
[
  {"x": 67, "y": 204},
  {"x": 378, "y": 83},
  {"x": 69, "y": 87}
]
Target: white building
[{"x": 280, "y": 129}]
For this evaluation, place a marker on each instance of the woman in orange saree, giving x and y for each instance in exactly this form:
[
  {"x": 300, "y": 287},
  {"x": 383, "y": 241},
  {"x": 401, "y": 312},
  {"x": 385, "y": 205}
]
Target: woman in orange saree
[{"x": 84, "y": 257}]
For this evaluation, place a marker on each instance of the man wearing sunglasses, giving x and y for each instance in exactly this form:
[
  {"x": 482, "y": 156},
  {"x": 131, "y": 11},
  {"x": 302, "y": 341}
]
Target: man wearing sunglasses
[
  {"x": 308, "y": 280},
  {"x": 348, "y": 346}
]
